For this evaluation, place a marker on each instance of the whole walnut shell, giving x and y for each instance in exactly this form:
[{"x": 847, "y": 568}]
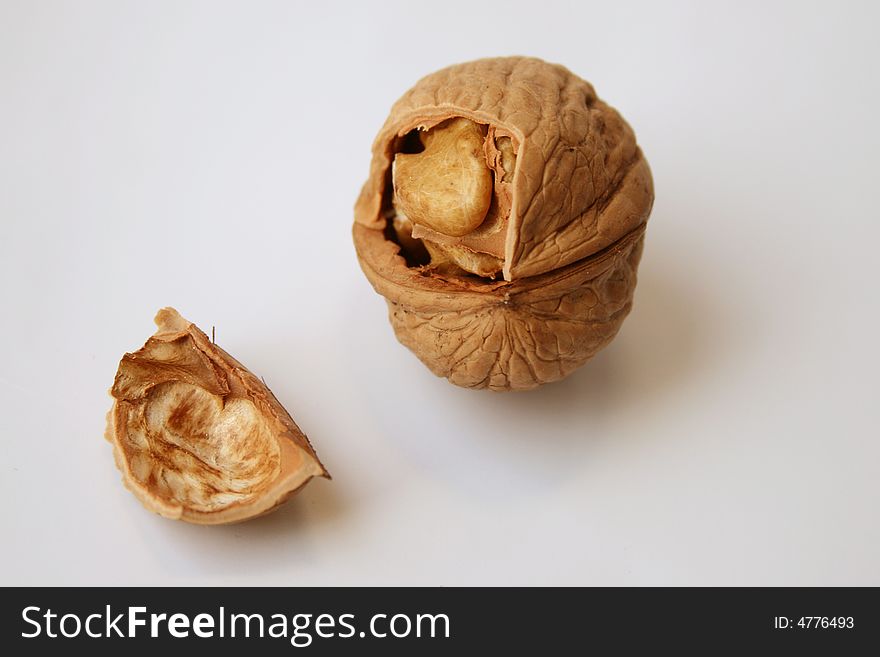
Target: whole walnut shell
[{"x": 567, "y": 230}]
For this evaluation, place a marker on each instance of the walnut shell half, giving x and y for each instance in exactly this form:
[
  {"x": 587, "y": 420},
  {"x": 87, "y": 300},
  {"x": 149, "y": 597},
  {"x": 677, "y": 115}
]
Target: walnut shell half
[
  {"x": 571, "y": 197},
  {"x": 197, "y": 436},
  {"x": 498, "y": 335},
  {"x": 580, "y": 183}
]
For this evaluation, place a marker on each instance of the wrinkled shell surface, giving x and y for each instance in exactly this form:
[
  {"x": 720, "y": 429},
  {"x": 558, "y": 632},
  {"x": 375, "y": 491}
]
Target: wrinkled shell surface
[
  {"x": 505, "y": 336},
  {"x": 581, "y": 196},
  {"x": 197, "y": 436}
]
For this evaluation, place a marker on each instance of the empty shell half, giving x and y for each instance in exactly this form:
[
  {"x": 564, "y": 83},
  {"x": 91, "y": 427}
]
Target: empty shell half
[{"x": 197, "y": 436}]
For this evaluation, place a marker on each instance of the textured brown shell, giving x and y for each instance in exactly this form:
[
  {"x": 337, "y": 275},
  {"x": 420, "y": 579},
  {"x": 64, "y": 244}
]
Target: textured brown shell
[
  {"x": 498, "y": 335},
  {"x": 581, "y": 182},
  {"x": 197, "y": 436}
]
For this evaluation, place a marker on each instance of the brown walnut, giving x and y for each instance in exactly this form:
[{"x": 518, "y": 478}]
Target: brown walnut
[
  {"x": 197, "y": 436},
  {"x": 506, "y": 266}
]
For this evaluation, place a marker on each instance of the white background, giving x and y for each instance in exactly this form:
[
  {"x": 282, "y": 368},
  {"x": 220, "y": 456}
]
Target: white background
[{"x": 207, "y": 156}]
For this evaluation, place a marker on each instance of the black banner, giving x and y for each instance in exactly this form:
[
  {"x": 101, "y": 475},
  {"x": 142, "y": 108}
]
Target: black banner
[{"x": 439, "y": 621}]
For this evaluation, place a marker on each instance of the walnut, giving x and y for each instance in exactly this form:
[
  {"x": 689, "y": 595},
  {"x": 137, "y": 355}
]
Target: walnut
[
  {"x": 510, "y": 263},
  {"x": 447, "y": 186},
  {"x": 197, "y": 436}
]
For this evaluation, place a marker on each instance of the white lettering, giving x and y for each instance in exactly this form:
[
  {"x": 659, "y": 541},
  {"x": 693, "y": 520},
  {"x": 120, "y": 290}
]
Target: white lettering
[
  {"x": 247, "y": 620},
  {"x": 203, "y": 626},
  {"x": 24, "y": 616},
  {"x": 65, "y": 617},
  {"x": 324, "y": 620},
  {"x": 298, "y": 627},
  {"x": 344, "y": 623},
  {"x": 134, "y": 621},
  {"x": 155, "y": 619},
  {"x": 89, "y": 626},
  {"x": 433, "y": 618},
  {"x": 49, "y": 616},
  {"x": 178, "y": 626},
  {"x": 373, "y": 626},
  {"x": 395, "y": 618},
  {"x": 281, "y": 624},
  {"x": 112, "y": 625}
]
